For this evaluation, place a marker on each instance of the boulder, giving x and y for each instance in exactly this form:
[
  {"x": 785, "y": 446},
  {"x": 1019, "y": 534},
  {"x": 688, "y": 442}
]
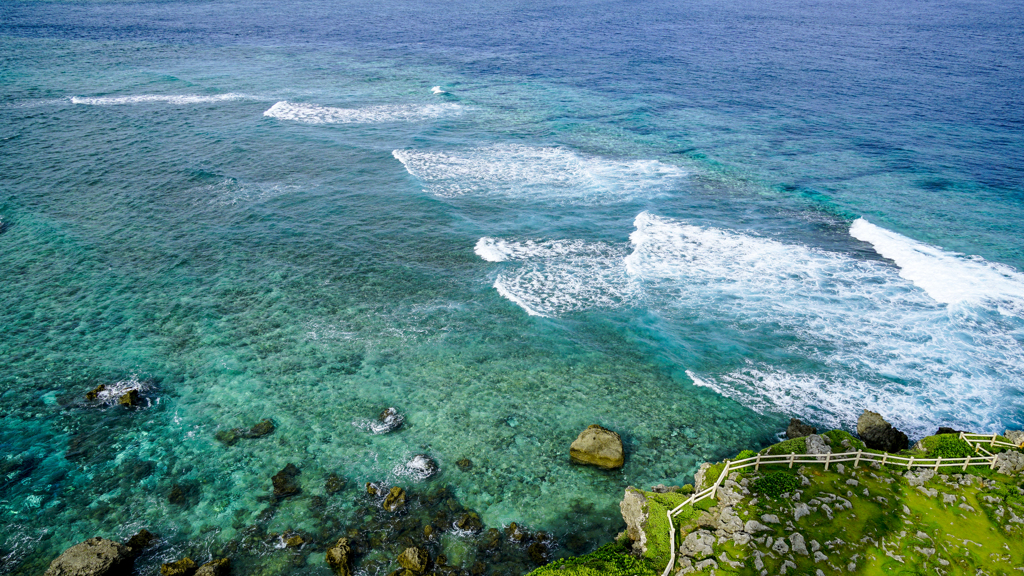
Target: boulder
[
  {"x": 95, "y": 392},
  {"x": 422, "y": 466},
  {"x": 339, "y": 558},
  {"x": 597, "y": 446},
  {"x": 219, "y": 567},
  {"x": 633, "y": 508},
  {"x": 129, "y": 399},
  {"x": 698, "y": 478},
  {"x": 470, "y": 521},
  {"x": 388, "y": 421},
  {"x": 415, "y": 560},
  {"x": 1009, "y": 462},
  {"x": 94, "y": 557},
  {"x": 394, "y": 500},
  {"x": 698, "y": 545},
  {"x": 285, "y": 483},
  {"x": 798, "y": 429},
  {"x": 538, "y": 553},
  {"x": 1015, "y": 436},
  {"x": 878, "y": 434},
  {"x": 183, "y": 567}
]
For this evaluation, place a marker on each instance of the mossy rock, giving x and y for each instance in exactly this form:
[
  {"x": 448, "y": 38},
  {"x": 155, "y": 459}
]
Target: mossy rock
[{"x": 794, "y": 446}]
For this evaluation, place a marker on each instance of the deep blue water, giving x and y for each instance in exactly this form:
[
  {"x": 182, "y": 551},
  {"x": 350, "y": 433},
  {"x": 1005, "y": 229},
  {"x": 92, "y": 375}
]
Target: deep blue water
[{"x": 687, "y": 222}]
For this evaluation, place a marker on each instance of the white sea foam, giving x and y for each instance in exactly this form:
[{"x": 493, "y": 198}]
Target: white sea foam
[
  {"x": 852, "y": 334},
  {"x": 183, "y": 99},
  {"x": 437, "y": 90},
  {"x": 947, "y": 277},
  {"x": 316, "y": 114},
  {"x": 545, "y": 173},
  {"x": 557, "y": 277},
  {"x": 111, "y": 393}
]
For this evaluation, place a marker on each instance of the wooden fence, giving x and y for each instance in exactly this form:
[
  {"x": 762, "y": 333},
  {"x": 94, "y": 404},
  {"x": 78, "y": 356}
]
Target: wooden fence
[{"x": 978, "y": 441}]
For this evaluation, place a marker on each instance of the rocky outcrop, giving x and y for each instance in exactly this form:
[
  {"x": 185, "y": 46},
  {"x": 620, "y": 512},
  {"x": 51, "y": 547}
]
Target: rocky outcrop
[
  {"x": 415, "y": 560},
  {"x": 597, "y": 446},
  {"x": 129, "y": 399},
  {"x": 816, "y": 445},
  {"x": 1009, "y": 462},
  {"x": 1015, "y": 436},
  {"x": 634, "y": 512},
  {"x": 798, "y": 429},
  {"x": 285, "y": 483},
  {"x": 219, "y": 567},
  {"x": 94, "y": 557},
  {"x": 339, "y": 558},
  {"x": 878, "y": 434}
]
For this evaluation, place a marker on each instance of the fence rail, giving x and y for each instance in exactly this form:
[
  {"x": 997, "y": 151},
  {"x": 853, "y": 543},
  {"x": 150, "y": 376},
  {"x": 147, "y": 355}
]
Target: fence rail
[{"x": 975, "y": 440}]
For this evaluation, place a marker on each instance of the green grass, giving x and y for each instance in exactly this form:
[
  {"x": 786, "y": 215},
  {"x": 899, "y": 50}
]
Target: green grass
[{"x": 609, "y": 560}]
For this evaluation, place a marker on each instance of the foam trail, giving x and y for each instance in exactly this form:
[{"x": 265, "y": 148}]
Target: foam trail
[
  {"x": 151, "y": 98},
  {"x": 437, "y": 90},
  {"x": 316, "y": 114},
  {"x": 537, "y": 173},
  {"x": 558, "y": 277},
  {"x": 947, "y": 277}
]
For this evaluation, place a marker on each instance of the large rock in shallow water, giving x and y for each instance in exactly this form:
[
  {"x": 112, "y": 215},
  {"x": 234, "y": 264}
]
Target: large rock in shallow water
[
  {"x": 94, "y": 557},
  {"x": 878, "y": 434},
  {"x": 798, "y": 429},
  {"x": 599, "y": 447}
]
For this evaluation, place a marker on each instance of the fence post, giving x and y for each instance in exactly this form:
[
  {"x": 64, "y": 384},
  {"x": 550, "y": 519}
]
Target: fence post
[
  {"x": 910, "y": 462},
  {"x": 886, "y": 456},
  {"x": 938, "y": 461},
  {"x": 757, "y": 463},
  {"x": 828, "y": 458},
  {"x": 992, "y": 466},
  {"x": 993, "y": 443},
  {"x": 791, "y": 458},
  {"x": 966, "y": 461},
  {"x": 856, "y": 461}
]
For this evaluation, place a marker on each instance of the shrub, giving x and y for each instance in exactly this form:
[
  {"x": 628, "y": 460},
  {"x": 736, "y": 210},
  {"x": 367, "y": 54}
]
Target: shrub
[
  {"x": 794, "y": 446},
  {"x": 775, "y": 484},
  {"x": 746, "y": 454},
  {"x": 837, "y": 437},
  {"x": 947, "y": 446}
]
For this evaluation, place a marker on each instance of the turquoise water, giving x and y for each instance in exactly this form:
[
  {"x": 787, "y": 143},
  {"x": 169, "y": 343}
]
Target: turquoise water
[{"x": 684, "y": 224}]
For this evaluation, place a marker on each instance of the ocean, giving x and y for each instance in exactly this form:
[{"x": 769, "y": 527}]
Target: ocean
[{"x": 685, "y": 222}]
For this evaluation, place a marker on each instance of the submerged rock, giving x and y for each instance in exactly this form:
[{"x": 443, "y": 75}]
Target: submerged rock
[
  {"x": 139, "y": 542},
  {"x": 597, "y": 446},
  {"x": 219, "y": 567},
  {"x": 334, "y": 484},
  {"x": 339, "y": 558},
  {"x": 394, "y": 500},
  {"x": 798, "y": 429},
  {"x": 470, "y": 521},
  {"x": 94, "y": 557},
  {"x": 464, "y": 464},
  {"x": 184, "y": 567},
  {"x": 878, "y": 434},
  {"x": 258, "y": 430},
  {"x": 415, "y": 560},
  {"x": 285, "y": 483}
]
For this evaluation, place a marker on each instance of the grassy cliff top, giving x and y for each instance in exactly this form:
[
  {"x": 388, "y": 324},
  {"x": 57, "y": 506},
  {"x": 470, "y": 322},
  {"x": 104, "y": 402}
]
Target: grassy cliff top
[{"x": 869, "y": 520}]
